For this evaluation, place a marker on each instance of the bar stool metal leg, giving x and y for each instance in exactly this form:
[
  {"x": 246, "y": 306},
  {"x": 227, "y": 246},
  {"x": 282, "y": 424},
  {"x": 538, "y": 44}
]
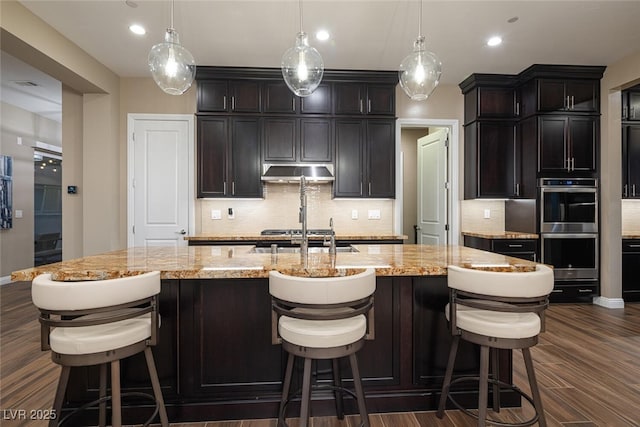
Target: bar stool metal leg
[
  {"x": 60, "y": 391},
  {"x": 116, "y": 415},
  {"x": 357, "y": 384},
  {"x": 484, "y": 385},
  {"x": 338, "y": 394},
  {"x": 495, "y": 372},
  {"x": 448, "y": 374},
  {"x": 285, "y": 389},
  {"x": 102, "y": 419},
  {"x": 306, "y": 393},
  {"x": 533, "y": 383},
  {"x": 155, "y": 384}
]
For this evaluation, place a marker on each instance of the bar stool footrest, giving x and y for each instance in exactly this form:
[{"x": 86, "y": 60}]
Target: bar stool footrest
[
  {"x": 108, "y": 398},
  {"x": 501, "y": 384},
  {"x": 282, "y": 418}
]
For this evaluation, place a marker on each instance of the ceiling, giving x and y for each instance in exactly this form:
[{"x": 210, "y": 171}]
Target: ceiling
[{"x": 365, "y": 34}]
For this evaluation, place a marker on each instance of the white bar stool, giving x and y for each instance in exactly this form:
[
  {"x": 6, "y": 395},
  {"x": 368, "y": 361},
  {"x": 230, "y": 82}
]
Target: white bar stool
[
  {"x": 496, "y": 310},
  {"x": 98, "y": 323},
  {"x": 322, "y": 318}
]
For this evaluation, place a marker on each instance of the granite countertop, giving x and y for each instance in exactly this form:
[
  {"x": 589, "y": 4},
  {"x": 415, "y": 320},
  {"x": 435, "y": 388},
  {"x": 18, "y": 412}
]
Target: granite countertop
[
  {"x": 211, "y": 262},
  {"x": 634, "y": 235},
  {"x": 255, "y": 237},
  {"x": 502, "y": 235}
]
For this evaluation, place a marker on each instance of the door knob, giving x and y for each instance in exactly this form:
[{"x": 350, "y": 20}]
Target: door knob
[{"x": 182, "y": 231}]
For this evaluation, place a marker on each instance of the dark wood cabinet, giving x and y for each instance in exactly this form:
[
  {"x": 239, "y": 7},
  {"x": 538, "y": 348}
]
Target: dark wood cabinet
[
  {"x": 278, "y": 98},
  {"x": 490, "y": 96},
  {"x": 517, "y": 248},
  {"x": 567, "y": 143},
  {"x": 547, "y": 95},
  {"x": 490, "y": 149},
  {"x": 319, "y": 102},
  {"x": 291, "y": 140},
  {"x": 228, "y": 96},
  {"x": 631, "y": 104},
  {"x": 630, "y": 161},
  {"x": 365, "y": 160},
  {"x": 356, "y": 99},
  {"x": 630, "y": 269},
  {"x": 228, "y": 157}
]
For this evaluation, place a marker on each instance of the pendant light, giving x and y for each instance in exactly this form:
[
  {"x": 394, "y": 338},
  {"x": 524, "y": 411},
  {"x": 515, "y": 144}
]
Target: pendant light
[
  {"x": 172, "y": 66},
  {"x": 302, "y": 66},
  {"x": 420, "y": 71}
]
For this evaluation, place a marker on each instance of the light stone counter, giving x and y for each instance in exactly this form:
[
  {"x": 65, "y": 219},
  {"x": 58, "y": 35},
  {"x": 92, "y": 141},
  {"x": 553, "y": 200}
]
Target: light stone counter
[{"x": 212, "y": 262}]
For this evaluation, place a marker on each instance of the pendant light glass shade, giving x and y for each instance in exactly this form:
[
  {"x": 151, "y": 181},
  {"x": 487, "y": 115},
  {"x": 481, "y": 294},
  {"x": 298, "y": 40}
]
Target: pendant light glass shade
[
  {"x": 172, "y": 66},
  {"x": 420, "y": 72},
  {"x": 302, "y": 67}
]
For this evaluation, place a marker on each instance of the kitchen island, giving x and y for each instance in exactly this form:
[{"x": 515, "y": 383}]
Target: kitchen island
[{"x": 216, "y": 359}]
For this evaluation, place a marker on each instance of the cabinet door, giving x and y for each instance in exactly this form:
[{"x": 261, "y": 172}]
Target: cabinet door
[
  {"x": 380, "y": 151},
  {"x": 552, "y": 154},
  {"x": 582, "y": 140},
  {"x": 212, "y": 95},
  {"x": 631, "y": 269},
  {"x": 278, "y": 98},
  {"x": 583, "y": 95},
  {"x": 494, "y": 149},
  {"x": 526, "y": 155},
  {"x": 315, "y": 140},
  {"x": 634, "y": 106},
  {"x": 279, "y": 139},
  {"x": 245, "y": 96},
  {"x": 349, "y": 137},
  {"x": 551, "y": 95},
  {"x": 212, "y": 156},
  {"x": 319, "y": 102},
  {"x": 496, "y": 102},
  {"x": 631, "y": 161},
  {"x": 245, "y": 154},
  {"x": 349, "y": 98},
  {"x": 381, "y": 99}
]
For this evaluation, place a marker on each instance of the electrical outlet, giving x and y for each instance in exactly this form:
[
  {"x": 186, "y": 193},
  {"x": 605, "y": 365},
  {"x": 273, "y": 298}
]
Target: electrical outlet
[
  {"x": 230, "y": 213},
  {"x": 18, "y": 213},
  {"x": 216, "y": 214},
  {"x": 354, "y": 214},
  {"x": 487, "y": 213},
  {"x": 373, "y": 214}
]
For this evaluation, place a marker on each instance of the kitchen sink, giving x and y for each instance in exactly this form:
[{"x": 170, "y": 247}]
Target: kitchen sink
[{"x": 296, "y": 249}]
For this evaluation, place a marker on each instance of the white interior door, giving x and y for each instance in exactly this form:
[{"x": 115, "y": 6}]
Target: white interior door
[
  {"x": 432, "y": 188},
  {"x": 160, "y": 179}
]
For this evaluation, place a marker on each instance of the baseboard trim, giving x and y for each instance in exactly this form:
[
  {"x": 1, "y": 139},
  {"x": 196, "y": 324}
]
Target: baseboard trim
[
  {"x": 609, "y": 302},
  {"x": 5, "y": 280}
]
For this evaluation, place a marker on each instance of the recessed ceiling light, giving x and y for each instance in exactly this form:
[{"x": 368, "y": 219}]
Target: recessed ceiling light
[
  {"x": 322, "y": 35},
  {"x": 494, "y": 41},
  {"x": 131, "y": 3},
  {"x": 137, "y": 29}
]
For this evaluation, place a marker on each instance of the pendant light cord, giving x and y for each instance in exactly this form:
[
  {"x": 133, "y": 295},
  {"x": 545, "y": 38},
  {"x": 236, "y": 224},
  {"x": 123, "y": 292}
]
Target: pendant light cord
[
  {"x": 300, "y": 9},
  {"x": 420, "y": 21},
  {"x": 172, "y": 14}
]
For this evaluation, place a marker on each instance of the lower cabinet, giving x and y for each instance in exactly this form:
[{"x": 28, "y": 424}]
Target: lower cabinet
[
  {"x": 631, "y": 269},
  {"x": 517, "y": 248}
]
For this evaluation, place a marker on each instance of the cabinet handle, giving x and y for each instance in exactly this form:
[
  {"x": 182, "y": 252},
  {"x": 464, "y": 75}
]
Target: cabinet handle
[
  {"x": 633, "y": 245},
  {"x": 233, "y": 103},
  {"x": 572, "y": 102},
  {"x": 224, "y": 188},
  {"x": 517, "y": 108},
  {"x": 557, "y": 291},
  {"x": 361, "y": 110},
  {"x": 517, "y": 189},
  {"x": 224, "y": 102},
  {"x": 513, "y": 245},
  {"x": 369, "y": 106},
  {"x": 573, "y": 163},
  {"x": 632, "y": 112},
  {"x": 624, "y": 112},
  {"x": 566, "y": 103},
  {"x": 369, "y": 188},
  {"x": 361, "y": 188},
  {"x": 293, "y": 104},
  {"x": 584, "y": 291},
  {"x": 626, "y": 191},
  {"x": 633, "y": 190},
  {"x": 233, "y": 188}
]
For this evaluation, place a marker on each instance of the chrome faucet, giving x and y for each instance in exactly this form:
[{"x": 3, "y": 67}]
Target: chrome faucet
[
  {"x": 302, "y": 217},
  {"x": 332, "y": 239}
]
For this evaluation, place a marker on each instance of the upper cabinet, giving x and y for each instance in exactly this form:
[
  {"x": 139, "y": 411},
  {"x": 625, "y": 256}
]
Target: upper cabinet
[
  {"x": 490, "y": 96},
  {"x": 358, "y": 98},
  {"x": 631, "y": 104},
  {"x": 228, "y": 96},
  {"x": 631, "y": 161}
]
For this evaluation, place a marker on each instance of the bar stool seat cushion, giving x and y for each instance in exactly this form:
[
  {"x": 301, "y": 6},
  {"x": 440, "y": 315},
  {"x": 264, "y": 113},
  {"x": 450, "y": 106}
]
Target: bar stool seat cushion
[
  {"x": 496, "y": 324},
  {"x": 322, "y": 333},
  {"x": 100, "y": 338}
]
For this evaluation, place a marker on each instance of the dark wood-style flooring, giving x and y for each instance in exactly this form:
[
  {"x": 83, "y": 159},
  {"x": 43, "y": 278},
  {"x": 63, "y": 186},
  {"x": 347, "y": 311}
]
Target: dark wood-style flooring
[{"x": 587, "y": 363}]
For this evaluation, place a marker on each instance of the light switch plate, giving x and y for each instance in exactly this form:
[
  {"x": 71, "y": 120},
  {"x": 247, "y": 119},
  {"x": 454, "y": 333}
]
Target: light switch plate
[
  {"x": 354, "y": 214},
  {"x": 373, "y": 214},
  {"x": 216, "y": 214},
  {"x": 18, "y": 213},
  {"x": 487, "y": 213}
]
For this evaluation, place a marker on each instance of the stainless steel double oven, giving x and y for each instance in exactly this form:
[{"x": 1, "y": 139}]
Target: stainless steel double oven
[{"x": 568, "y": 214}]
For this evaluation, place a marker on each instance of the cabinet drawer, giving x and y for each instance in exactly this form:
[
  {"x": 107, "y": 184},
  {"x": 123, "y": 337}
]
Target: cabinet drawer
[
  {"x": 573, "y": 293},
  {"x": 631, "y": 245},
  {"x": 513, "y": 245}
]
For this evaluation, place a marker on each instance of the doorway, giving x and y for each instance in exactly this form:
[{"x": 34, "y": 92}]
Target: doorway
[
  {"x": 408, "y": 131},
  {"x": 47, "y": 206}
]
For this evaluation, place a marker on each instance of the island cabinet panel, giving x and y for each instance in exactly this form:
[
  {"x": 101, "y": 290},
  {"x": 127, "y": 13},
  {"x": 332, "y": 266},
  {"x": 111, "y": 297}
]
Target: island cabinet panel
[{"x": 631, "y": 270}]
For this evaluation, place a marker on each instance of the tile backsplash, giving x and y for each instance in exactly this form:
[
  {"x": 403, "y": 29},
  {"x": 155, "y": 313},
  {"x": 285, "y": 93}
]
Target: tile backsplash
[
  {"x": 631, "y": 217},
  {"x": 472, "y": 216},
  {"x": 280, "y": 207}
]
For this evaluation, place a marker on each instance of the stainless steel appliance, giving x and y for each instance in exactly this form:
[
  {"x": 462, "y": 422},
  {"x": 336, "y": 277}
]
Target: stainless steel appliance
[{"x": 569, "y": 228}]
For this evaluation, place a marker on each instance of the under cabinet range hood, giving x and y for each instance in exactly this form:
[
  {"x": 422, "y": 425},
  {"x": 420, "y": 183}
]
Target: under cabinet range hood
[{"x": 291, "y": 172}]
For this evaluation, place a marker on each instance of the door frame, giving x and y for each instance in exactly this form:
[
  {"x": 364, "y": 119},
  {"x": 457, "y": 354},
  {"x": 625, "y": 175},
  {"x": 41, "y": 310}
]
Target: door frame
[
  {"x": 131, "y": 119},
  {"x": 453, "y": 170}
]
